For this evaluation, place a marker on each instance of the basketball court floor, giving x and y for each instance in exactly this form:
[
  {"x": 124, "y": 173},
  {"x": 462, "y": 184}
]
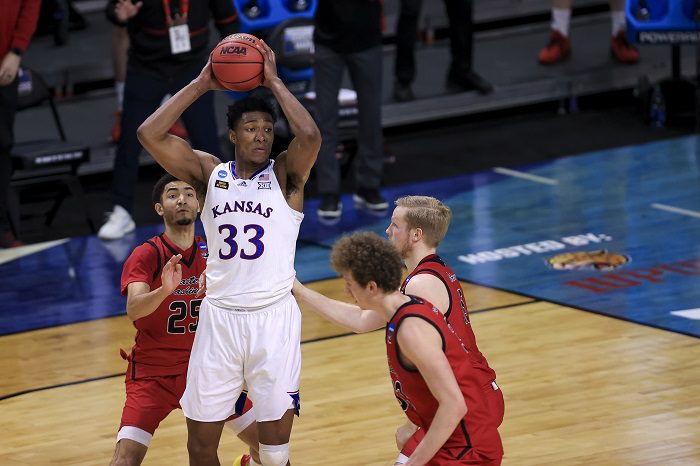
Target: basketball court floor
[{"x": 583, "y": 275}]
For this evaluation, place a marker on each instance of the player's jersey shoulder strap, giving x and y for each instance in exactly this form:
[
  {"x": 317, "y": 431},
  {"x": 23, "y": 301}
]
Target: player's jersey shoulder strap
[
  {"x": 416, "y": 307},
  {"x": 159, "y": 257}
]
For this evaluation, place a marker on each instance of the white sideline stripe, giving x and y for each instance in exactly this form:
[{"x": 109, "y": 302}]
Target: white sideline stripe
[
  {"x": 676, "y": 210},
  {"x": 525, "y": 176},
  {"x": 7, "y": 255},
  {"x": 693, "y": 314}
]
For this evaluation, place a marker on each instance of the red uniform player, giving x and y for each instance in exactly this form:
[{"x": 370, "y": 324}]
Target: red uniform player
[{"x": 160, "y": 279}]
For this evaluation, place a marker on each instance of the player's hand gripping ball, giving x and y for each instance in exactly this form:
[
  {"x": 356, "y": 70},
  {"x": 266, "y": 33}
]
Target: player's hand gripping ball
[{"x": 237, "y": 64}]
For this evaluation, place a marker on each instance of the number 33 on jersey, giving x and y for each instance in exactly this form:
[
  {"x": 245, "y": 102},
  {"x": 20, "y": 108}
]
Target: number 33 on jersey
[{"x": 244, "y": 218}]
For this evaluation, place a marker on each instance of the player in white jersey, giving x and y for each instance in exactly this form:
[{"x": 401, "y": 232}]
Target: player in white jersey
[{"x": 249, "y": 331}]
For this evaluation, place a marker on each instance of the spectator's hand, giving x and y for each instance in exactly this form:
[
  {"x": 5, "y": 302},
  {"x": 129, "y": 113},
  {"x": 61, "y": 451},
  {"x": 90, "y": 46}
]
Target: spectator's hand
[
  {"x": 270, "y": 65},
  {"x": 125, "y": 10},
  {"x": 206, "y": 79},
  {"x": 172, "y": 274},
  {"x": 8, "y": 68}
]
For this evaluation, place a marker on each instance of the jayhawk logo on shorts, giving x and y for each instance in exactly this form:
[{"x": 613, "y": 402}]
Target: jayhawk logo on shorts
[{"x": 600, "y": 259}]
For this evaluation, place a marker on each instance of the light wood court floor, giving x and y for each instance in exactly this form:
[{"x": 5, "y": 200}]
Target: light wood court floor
[{"x": 580, "y": 388}]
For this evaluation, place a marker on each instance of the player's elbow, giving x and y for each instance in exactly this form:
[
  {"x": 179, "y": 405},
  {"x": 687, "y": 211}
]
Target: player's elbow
[
  {"x": 132, "y": 310},
  {"x": 310, "y": 135},
  {"x": 460, "y": 408},
  {"x": 131, "y": 314},
  {"x": 145, "y": 134}
]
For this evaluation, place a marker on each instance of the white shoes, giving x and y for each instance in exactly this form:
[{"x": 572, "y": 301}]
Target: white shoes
[{"x": 118, "y": 224}]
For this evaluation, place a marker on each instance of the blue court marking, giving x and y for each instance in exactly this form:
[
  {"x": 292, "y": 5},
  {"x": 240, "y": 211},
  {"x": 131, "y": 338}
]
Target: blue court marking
[
  {"x": 603, "y": 201},
  {"x": 607, "y": 195},
  {"x": 499, "y": 236}
]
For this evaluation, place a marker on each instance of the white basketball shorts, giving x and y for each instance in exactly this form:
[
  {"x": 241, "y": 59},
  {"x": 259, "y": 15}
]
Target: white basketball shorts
[{"x": 236, "y": 349}]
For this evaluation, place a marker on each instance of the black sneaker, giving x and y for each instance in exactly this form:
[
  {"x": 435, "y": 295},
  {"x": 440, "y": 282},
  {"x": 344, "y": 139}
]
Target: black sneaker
[
  {"x": 330, "y": 206},
  {"x": 370, "y": 198},
  {"x": 403, "y": 92},
  {"x": 468, "y": 81}
]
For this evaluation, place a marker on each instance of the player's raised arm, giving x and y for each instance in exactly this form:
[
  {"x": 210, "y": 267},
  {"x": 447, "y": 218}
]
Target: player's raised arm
[
  {"x": 141, "y": 301},
  {"x": 302, "y": 151},
  {"x": 175, "y": 154}
]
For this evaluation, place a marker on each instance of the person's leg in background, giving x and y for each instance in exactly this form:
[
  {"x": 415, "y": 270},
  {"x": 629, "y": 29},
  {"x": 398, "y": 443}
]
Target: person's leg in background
[
  {"x": 142, "y": 96},
  {"x": 328, "y": 73},
  {"x": 405, "y": 64},
  {"x": 559, "y": 46},
  {"x": 366, "y": 73},
  {"x": 461, "y": 74},
  {"x": 8, "y": 109},
  {"x": 120, "y": 53},
  {"x": 620, "y": 48}
]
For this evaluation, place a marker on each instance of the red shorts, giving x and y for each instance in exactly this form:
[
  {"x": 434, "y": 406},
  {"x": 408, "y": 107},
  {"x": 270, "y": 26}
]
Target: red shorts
[
  {"x": 446, "y": 456},
  {"x": 149, "y": 400}
]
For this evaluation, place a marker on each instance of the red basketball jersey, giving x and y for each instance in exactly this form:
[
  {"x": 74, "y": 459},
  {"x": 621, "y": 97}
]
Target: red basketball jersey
[
  {"x": 476, "y": 433},
  {"x": 164, "y": 338},
  {"x": 457, "y": 314}
]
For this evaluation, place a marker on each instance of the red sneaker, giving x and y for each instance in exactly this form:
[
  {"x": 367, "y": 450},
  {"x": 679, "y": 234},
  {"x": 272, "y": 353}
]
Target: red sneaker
[
  {"x": 622, "y": 50},
  {"x": 178, "y": 130},
  {"x": 117, "y": 127},
  {"x": 243, "y": 460},
  {"x": 557, "y": 49}
]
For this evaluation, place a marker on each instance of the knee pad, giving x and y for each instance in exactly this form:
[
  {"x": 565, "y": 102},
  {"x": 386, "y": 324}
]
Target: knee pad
[{"x": 274, "y": 455}]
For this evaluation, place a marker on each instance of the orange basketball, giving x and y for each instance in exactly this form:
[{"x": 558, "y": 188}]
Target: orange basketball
[{"x": 236, "y": 62}]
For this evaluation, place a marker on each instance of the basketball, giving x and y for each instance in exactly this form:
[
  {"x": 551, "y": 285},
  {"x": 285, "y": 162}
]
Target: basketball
[{"x": 237, "y": 64}]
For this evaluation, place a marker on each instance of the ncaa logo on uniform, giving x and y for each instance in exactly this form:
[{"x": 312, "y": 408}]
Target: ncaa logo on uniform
[
  {"x": 390, "y": 333},
  {"x": 203, "y": 247},
  {"x": 222, "y": 173},
  {"x": 264, "y": 184}
]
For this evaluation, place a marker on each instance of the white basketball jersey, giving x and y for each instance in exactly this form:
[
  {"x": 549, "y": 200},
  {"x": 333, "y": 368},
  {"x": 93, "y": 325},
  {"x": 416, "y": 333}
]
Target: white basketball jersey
[{"x": 251, "y": 236}]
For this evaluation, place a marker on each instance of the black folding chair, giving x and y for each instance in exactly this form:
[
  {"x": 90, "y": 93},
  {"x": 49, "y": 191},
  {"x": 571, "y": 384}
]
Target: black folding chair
[{"x": 46, "y": 162}]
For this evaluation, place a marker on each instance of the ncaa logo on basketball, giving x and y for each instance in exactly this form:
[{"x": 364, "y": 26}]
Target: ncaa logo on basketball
[
  {"x": 233, "y": 49},
  {"x": 600, "y": 259}
]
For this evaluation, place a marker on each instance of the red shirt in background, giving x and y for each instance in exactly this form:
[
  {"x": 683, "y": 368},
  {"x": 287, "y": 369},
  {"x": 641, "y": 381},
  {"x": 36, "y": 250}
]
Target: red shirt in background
[{"x": 18, "y": 20}]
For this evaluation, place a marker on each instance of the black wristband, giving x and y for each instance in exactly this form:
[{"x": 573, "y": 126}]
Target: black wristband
[{"x": 17, "y": 51}]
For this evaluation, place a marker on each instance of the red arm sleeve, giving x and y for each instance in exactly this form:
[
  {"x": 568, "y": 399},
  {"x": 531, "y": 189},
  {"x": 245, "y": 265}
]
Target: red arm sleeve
[
  {"x": 26, "y": 24},
  {"x": 140, "y": 266}
]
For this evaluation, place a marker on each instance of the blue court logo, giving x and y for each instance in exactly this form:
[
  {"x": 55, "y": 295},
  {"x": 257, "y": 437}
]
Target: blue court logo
[{"x": 222, "y": 173}]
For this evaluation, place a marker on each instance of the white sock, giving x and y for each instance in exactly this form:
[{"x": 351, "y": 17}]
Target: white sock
[
  {"x": 119, "y": 89},
  {"x": 619, "y": 21},
  {"x": 561, "y": 17}
]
